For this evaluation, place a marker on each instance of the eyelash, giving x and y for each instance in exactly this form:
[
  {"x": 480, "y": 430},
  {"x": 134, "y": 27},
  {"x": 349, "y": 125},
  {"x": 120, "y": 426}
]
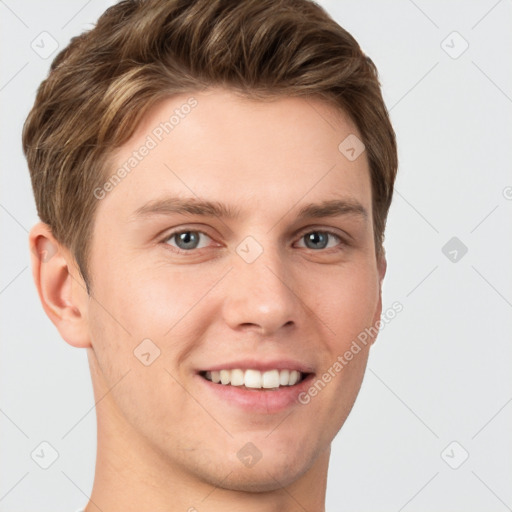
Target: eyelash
[{"x": 343, "y": 243}]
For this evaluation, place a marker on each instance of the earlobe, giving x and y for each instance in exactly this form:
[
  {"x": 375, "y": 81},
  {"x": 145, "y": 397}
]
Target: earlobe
[{"x": 60, "y": 287}]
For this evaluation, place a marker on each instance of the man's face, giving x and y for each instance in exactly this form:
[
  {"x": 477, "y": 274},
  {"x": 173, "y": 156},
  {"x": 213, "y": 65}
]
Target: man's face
[{"x": 265, "y": 288}]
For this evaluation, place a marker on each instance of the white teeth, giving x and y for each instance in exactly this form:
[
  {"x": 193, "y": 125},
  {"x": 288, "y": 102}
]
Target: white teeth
[
  {"x": 237, "y": 377},
  {"x": 252, "y": 379},
  {"x": 225, "y": 376},
  {"x": 270, "y": 379}
]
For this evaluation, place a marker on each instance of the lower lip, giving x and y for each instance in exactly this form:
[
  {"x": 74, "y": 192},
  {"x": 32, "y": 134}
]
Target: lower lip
[{"x": 264, "y": 401}]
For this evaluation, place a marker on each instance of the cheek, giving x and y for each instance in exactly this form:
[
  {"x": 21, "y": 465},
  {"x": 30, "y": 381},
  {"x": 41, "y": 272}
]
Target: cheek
[
  {"x": 346, "y": 302},
  {"x": 350, "y": 312},
  {"x": 156, "y": 303},
  {"x": 149, "y": 300},
  {"x": 146, "y": 394}
]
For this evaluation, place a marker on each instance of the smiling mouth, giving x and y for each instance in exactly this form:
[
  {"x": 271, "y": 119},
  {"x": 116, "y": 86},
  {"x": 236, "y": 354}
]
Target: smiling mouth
[{"x": 270, "y": 380}]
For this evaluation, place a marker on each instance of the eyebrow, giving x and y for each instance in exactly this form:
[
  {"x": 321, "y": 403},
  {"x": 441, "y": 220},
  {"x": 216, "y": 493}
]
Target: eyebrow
[{"x": 194, "y": 206}]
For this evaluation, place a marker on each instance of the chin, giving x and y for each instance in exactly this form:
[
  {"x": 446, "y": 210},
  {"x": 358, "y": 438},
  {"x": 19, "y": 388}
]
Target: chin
[
  {"x": 258, "y": 481},
  {"x": 268, "y": 474}
]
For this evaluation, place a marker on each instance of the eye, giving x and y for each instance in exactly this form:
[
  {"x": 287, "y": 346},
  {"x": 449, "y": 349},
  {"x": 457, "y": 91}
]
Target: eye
[
  {"x": 320, "y": 239},
  {"x": 185, "y": 240}
]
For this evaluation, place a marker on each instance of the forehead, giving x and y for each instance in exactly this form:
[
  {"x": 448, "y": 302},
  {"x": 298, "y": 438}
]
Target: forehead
[{"x": 247, "y": 153}]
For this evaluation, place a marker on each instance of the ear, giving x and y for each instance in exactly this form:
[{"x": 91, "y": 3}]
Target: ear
[
  {"x": 382, "y": 265},
  {"x": 381, "y": 269},
  {"x": 60, "y": 286}
]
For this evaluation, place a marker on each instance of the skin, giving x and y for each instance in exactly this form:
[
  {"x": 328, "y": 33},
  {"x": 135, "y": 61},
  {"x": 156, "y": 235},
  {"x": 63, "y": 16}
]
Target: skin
[{"x": 163, "y": 444}]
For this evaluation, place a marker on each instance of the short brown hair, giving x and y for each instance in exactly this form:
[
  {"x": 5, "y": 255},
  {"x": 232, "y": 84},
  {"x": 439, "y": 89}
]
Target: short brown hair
[{"x": 142, "y": 51}]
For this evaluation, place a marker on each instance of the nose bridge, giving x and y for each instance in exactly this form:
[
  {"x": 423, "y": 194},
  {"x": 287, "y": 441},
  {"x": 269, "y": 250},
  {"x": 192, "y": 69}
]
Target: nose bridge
[{"x": 261, "y": 292}]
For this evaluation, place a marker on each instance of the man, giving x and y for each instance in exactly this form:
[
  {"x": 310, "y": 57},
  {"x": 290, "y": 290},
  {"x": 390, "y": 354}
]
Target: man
[{"x": 213, "y": 180}]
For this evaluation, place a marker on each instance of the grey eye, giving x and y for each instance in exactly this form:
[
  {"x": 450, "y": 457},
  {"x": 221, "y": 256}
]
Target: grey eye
[
  {"x": 186, "y": 240},
  {"x": 316, "y": 240},
  {"x": 320, "y": 239}
]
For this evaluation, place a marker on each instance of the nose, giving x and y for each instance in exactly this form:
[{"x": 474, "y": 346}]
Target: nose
[{"x": 261, "y": 295}]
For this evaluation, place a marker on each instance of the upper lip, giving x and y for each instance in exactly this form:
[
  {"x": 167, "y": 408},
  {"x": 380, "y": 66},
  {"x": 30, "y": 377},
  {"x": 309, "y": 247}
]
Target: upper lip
[{"x": 253, "y": 364}]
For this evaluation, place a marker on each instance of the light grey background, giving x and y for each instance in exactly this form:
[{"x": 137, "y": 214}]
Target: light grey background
[{"x": 440, "y": 371}]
